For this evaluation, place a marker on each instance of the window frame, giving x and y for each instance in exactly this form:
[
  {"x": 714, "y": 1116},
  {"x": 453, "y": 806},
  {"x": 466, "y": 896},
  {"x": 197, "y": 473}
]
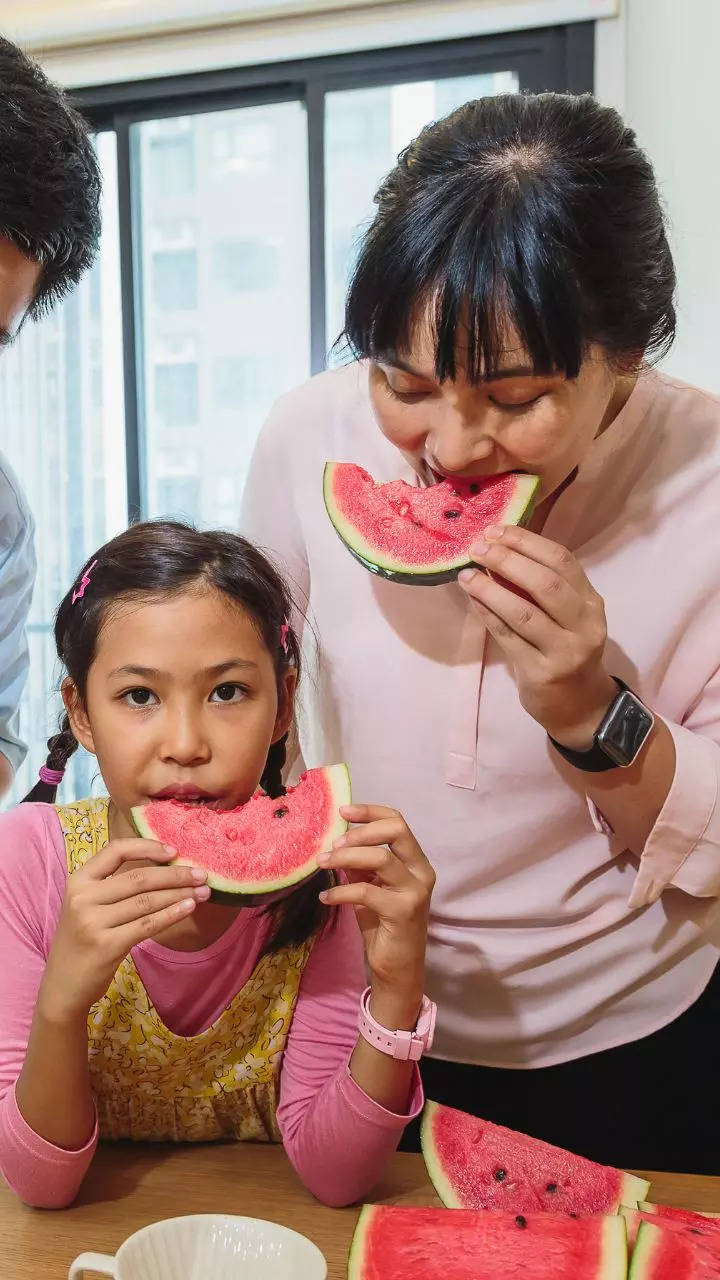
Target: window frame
[{"x": 559, "y": 58}]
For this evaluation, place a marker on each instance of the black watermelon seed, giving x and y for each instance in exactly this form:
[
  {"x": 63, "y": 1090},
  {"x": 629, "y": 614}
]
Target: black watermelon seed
[
  {"x": 572, "y": 1215},
  {"x": 551, "y": 1186},
  {"x": 452, "y": 515},
  {"x": 696, "y": 1231},
  {"x": 474, "y": 488},
  {"x": 500, "y": 1175},
  {"x": 521, "y": 1222},
  {"x": 281, "y": 812}
]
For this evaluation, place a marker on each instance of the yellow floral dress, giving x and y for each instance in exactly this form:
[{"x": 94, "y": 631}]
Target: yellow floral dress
[{"x": 152, "y": 1085}]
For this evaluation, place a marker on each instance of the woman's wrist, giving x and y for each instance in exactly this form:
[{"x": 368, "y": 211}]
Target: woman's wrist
[{"x": 583, "y": 714}]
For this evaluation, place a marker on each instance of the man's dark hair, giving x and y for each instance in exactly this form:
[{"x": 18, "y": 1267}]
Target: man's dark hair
[{"x": 49, "y": 177}]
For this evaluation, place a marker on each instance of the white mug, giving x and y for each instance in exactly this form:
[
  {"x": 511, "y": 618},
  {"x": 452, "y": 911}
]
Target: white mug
[{"x": 217, "y": 1245}]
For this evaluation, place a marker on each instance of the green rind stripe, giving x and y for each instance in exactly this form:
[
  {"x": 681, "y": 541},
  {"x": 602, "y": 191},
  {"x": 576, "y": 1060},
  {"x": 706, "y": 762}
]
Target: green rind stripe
[
  {"x": 648, "y": 1248},
  {"x": 356, "y": 1259},
  {"x": 436, "y": 1173}
]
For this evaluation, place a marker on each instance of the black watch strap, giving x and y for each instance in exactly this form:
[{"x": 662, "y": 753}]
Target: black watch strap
[{"x": 595, "y": 759}]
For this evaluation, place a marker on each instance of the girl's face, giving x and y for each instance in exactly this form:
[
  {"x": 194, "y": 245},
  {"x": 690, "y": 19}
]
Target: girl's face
[
  {"x": 518, "y": 421},
  {"x": 182, "y": 702}
]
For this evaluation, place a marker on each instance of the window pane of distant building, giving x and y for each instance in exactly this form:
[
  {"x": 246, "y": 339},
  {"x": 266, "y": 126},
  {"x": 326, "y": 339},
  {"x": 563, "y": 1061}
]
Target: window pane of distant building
[
  {"x": 225, "y": 295},
  {"x": 365, "y": 130},
  {"x": 61, "y": 402}
]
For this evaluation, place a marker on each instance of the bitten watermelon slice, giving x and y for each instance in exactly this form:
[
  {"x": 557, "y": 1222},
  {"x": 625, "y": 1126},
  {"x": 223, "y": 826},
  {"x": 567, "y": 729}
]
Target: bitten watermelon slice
[
  {"x": 420, "y": 536},
  {"x": 474, "y": 1164},
  {"x": 432, "y": 1244},
  {"x": 263, "y": 846},
  {"x": 664, "y": 1255}
]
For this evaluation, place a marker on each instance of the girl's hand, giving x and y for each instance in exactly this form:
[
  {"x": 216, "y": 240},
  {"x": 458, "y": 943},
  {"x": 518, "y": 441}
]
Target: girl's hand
[
  {"x": 553, "y": 635},
  {"x": 108, "y": 908},
  {"x": 390, "y": 884}
]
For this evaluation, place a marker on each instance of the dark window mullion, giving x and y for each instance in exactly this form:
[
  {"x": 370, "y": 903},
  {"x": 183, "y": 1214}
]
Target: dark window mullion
[
  {"x": 133, "y": 380},
  {"x": 315, "y": 105}
]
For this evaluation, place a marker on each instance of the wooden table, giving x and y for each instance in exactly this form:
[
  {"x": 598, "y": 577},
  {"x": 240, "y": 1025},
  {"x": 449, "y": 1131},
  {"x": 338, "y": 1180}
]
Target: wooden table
[{"x": 130, "y": 1186}]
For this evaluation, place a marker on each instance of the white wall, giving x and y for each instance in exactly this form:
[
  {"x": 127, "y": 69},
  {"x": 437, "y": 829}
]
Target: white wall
[{"x": 658, "y": 64}]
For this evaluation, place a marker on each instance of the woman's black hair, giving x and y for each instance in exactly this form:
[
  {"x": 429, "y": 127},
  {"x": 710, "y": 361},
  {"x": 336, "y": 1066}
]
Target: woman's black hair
[
  {"x": 537, "y": 211},
  {"x": 164, "y": 558},
  {"x": 49, "y": 177}
]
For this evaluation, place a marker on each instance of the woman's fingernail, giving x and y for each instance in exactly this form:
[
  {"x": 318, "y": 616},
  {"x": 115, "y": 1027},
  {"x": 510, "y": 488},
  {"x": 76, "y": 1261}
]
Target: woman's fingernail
[
  {"x": 322, "y": 858},
  {"x": 479, "y": 548},
  {"x": 170, "y": 849},
  {"x": 203, "y": 893},
  {"x": 198, "y": 875},
  {"x": 467, "y": 575},
  {"x": 340, "y": 843},
  {"x": 494, "y": 531},
  {"x": 187, "y": 904}
]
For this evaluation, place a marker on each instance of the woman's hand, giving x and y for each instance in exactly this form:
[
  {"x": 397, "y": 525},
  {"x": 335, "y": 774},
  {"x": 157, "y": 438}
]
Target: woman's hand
[
  {"x": 109, "y": 906},
  {"x": 553, "y": 635},
  {"x": 390, "y": 882}
]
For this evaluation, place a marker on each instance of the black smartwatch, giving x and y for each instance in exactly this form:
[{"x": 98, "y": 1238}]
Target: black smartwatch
[{"x": 620, "y": 737}]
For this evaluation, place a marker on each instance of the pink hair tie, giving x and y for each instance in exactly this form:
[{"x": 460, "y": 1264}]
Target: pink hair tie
[
  {"x": 53, "y": 777},
  {"x": 284, "y": 629}
]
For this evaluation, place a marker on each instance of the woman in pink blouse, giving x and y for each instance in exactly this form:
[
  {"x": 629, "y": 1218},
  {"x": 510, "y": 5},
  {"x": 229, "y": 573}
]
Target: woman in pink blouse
[{"x": 556, "y": 752}]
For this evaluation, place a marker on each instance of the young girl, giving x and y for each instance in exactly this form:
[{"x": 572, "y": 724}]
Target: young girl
[{"x": 134, "y": 1007}]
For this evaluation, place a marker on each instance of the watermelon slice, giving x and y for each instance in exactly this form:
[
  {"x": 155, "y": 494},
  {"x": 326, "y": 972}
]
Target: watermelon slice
[
  {"x": 474, "y": 1164},
  {"x": 680, "y": 1215},
  {"x": 431, "y": 1244},
  {"x": 665, "y": 1255},
  {"x": 263, "y": 846},
  {"x": 420, "y": 536},
  {"x": 697, "y": 1231}
]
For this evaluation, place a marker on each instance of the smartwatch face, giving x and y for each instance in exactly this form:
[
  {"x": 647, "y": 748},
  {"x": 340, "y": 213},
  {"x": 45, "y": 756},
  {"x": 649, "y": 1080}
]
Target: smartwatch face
[{"x": 625, "y": 729}]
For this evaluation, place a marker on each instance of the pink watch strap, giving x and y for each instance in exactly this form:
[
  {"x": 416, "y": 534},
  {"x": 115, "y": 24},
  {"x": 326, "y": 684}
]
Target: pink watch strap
[{"x": 403, "y": 1045}]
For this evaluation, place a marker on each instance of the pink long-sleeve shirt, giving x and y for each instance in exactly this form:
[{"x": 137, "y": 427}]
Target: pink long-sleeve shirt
[
  {"x": 337, "y": 1137},
  {"x": 548, "y": 940}
]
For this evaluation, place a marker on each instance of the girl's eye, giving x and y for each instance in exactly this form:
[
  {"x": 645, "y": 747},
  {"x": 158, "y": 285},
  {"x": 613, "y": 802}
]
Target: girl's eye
[
  {"x": 228, "y": 693},
  {"x": 139, "y": 698}
]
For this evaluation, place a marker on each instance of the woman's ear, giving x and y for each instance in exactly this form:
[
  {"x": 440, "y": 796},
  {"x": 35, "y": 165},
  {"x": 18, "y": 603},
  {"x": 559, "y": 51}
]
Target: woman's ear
[
  {"x": 286, "y": 703},
  {"x": 77, "y": 715}
]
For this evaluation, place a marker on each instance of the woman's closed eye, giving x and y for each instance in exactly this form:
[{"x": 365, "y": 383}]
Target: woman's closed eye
[{"x": 228, "y": 693}]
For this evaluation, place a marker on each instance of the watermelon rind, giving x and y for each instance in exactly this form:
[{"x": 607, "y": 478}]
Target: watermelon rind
[
  {"x": 517, "y": 512},
  {"x": 632, "y": 1188},
  {"x": 612, "y": 1264},
  {"x": 662, "y": 1255},
  {"x": 338, "y": 779},
  {"x": 684, "y": 1215},
  {"x": 356, "y": 1259}
]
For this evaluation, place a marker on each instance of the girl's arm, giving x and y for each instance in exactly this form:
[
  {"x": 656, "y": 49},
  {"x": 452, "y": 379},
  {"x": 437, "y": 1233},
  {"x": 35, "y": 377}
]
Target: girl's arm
[
  {"x": 344, "y": 1104},
  {"x": 32, "y": 882}
]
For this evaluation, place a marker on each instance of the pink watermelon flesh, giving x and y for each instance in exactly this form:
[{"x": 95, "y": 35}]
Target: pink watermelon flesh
[
  {"x": 431, "y": 1244},
  {"x": 417, "y": 535},
  {"x": 664, "y": 1255},
  {"x": 263, "y": 846},
  {"x": 474, "y": 1164}
]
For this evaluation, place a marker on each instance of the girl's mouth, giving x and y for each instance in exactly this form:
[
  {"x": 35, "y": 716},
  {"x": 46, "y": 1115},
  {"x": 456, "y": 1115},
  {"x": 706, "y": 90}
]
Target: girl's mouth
[{"x": 185, "y": 793}]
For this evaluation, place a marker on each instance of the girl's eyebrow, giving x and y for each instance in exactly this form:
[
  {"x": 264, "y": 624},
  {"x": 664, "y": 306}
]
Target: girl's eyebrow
[{"x": 154, "y": 673}]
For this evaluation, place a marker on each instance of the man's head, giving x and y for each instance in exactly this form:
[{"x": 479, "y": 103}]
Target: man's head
[{"x": 49, "y": 192}]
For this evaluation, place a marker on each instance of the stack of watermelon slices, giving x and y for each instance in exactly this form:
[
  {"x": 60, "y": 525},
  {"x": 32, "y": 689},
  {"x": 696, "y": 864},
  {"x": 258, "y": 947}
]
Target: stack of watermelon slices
[{"x": 524, "y": 1207}]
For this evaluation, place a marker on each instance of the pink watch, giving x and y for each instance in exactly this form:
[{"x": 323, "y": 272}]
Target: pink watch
[{"x": 403, "y": 1045}]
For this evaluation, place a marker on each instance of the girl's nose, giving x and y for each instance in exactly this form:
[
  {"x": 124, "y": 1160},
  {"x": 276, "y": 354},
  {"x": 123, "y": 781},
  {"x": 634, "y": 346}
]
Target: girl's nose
[{"x": 183, "y": 740}]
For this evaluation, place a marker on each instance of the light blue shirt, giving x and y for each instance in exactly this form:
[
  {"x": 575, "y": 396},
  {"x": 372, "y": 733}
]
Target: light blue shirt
[{"x": 17, "y": 578}]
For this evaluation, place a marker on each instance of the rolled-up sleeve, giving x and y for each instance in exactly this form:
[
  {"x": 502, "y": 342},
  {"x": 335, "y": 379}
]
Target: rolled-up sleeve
[
  {"x": 683, "y": 848},
  {"x": 17, "y": 578}
]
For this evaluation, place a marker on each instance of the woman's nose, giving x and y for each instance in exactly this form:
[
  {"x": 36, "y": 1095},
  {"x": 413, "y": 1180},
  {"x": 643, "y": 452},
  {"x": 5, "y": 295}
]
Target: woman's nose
[{"x": 457, "y": 446}]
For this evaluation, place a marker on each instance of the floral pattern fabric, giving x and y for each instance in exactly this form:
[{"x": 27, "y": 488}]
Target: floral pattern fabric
[{"x": 152, "y": 1085}]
